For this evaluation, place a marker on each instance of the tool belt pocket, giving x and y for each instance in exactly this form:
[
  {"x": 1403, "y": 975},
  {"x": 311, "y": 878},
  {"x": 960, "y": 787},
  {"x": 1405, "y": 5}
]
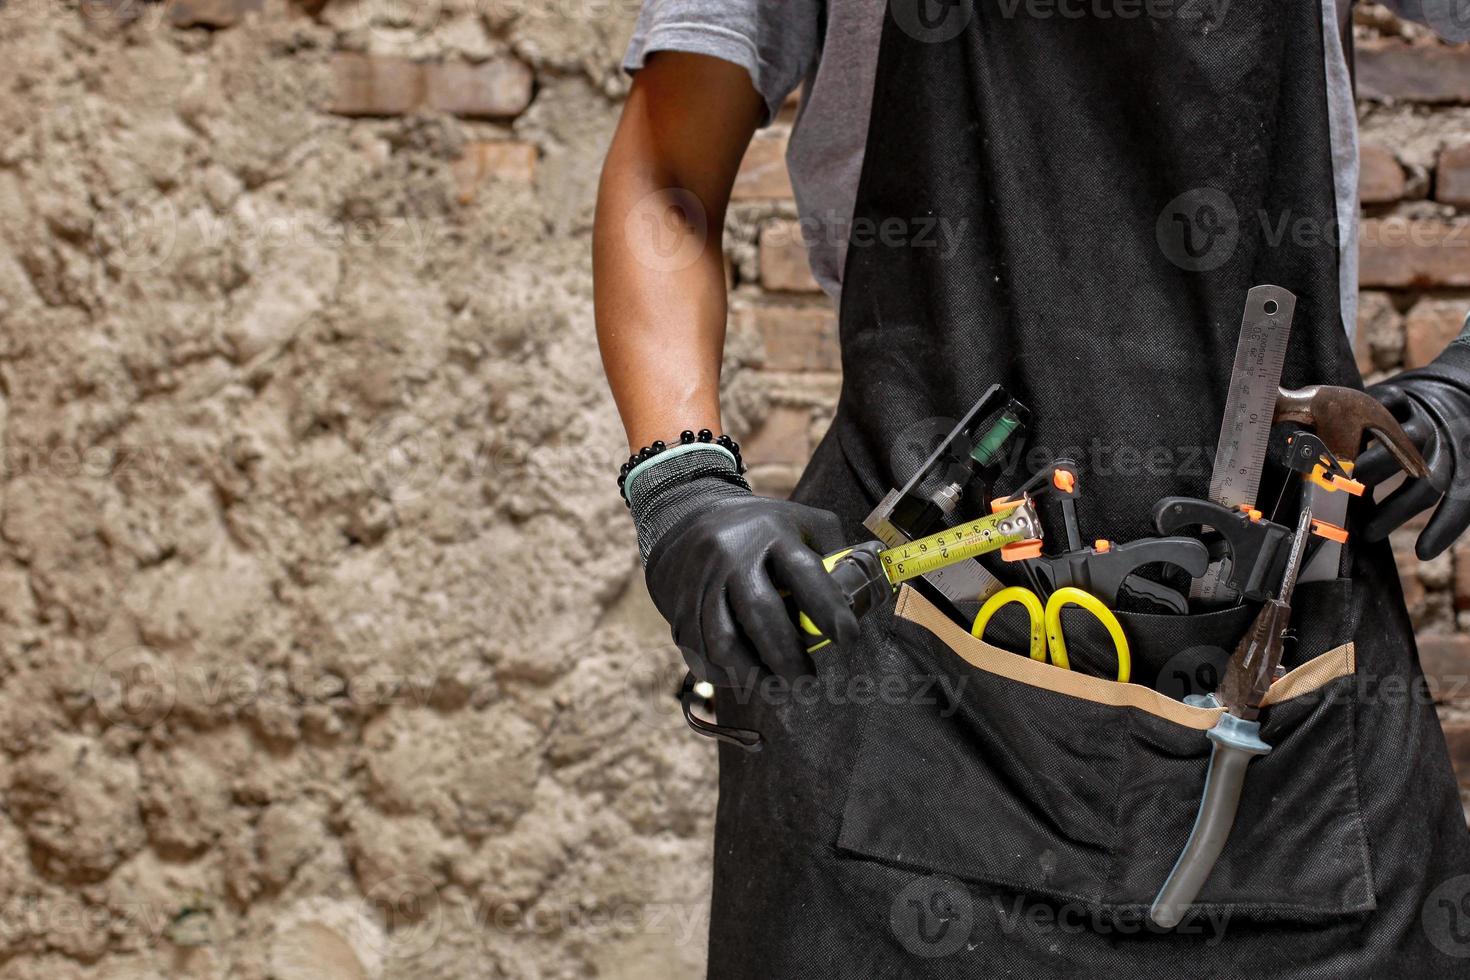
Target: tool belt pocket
[{"x": 1061, "y": 784}]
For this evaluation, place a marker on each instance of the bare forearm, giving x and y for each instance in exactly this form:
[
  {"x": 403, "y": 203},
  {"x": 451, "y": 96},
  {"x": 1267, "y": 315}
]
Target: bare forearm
[{"x": 657, "y": 256}]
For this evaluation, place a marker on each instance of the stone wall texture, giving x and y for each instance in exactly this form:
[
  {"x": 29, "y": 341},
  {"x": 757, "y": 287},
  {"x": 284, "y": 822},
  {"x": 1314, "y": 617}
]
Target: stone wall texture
[{"x": 323, "y": 648}]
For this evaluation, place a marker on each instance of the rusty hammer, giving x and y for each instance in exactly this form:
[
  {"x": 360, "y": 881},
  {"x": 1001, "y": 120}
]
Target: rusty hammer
[{"x": 1341, "y": 417}]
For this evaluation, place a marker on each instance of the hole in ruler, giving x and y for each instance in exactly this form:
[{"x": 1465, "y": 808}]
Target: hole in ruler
[{"x": 1271, "y": 307}]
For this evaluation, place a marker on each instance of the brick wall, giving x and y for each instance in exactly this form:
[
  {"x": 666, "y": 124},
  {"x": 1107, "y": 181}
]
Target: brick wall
[{"x": 1415, "y": 268}]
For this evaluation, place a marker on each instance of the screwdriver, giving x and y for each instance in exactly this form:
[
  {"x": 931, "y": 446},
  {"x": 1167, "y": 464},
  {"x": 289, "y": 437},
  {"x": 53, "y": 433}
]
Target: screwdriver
[{"x": 868, "y": 574}]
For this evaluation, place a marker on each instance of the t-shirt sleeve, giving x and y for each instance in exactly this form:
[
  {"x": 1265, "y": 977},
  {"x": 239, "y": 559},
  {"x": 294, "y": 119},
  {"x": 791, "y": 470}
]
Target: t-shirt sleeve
[{"x": 776, "y": 41}]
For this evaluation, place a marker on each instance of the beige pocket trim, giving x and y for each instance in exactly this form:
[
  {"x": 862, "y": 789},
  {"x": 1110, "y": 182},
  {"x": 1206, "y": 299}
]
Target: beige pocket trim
[{"x": 1315, "y": 673}]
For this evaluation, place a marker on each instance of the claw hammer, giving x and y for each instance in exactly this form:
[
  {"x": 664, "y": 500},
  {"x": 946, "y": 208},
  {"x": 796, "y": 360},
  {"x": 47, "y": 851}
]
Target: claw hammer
[{"x": 1341, "y": 417}]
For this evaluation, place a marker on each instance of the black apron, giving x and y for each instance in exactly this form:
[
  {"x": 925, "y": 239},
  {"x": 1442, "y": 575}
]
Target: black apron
[{"x": 1075, "y": 207}]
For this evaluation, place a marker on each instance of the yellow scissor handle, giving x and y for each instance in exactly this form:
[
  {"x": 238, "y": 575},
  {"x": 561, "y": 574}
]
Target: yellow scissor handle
[
  {"x": 1026, "y": 598},
  {"x": 1070, "y": 596}
]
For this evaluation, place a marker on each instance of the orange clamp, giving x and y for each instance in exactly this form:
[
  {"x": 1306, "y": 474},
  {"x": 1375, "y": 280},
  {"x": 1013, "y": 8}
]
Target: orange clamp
[
  {"x": 1102, "y": 546},
  {"x": 1329, "y": 531},
  {"x": 1332, "y": 482},
  {"x": 1249, "y": 511},
  {"x": 1064, "y": 480},
  {"x": 1002, "y": 504},
  {"x": 1021, "y": 550}
]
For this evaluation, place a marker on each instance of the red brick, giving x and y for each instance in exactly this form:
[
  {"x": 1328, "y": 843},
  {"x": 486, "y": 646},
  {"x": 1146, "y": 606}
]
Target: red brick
[
  {"x": 763, "y": 172},
  {"x": 1452, "y": 176},
  {"x": 784, "y": 436},
  {"x": 376, "y": 86},
  {"x": 210, "y": 13},
  {"x": 1398, "y": 254},
  {"x": 1380, "y": 179},
  {"x": 783, "y": 259},
  {"x": 1422, "y": 73},
  {"x": 798, "y": 338},
  {"x": 1457, "y": 735},
  {"x": 1379, "y": 342},
  {"x": 1445, "y": 659},
  {"x": 1430, "y": 326},
  {"x": 499, "y": 160},
  {"x": 1408, "y": 566},
  {"x": 496, "y": 89}
]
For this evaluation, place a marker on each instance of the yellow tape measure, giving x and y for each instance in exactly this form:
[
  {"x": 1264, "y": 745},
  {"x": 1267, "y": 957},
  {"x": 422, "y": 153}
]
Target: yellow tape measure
[{"x": 969, "y": 540}]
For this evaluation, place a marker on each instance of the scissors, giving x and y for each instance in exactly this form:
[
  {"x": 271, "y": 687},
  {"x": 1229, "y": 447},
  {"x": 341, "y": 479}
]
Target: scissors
[{"x": 1046, "y": 623}]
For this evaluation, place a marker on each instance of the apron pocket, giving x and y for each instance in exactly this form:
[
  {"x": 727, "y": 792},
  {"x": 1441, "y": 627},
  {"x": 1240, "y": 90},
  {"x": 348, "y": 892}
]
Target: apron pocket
[{"x": 1057, "y": 783}]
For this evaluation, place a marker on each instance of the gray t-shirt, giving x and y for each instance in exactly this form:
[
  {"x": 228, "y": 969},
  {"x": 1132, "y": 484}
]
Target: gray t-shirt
[{"x": 832, "y": 46}]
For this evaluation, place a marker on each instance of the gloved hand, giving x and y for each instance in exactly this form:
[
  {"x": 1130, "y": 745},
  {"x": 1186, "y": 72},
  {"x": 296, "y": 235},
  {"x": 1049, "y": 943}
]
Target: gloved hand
[
  {"x": 716, "y": 558},
  {"x": 1433, "y": 405}
]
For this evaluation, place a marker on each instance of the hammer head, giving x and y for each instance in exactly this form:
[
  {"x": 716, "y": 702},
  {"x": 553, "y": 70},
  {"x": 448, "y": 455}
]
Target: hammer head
[{"x": 1341, "y": 417}]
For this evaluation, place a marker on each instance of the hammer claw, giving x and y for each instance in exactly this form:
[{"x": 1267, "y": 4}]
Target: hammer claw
[{"x": 1340, "y": 417}]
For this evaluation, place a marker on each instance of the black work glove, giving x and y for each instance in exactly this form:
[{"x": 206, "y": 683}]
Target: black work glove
[
  {"x": 1433, "y": 405},
  {"x": 717, "y": 559}
]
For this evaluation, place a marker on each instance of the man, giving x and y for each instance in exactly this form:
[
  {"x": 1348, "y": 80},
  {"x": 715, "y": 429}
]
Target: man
[{"x": 1072, "y": 201}]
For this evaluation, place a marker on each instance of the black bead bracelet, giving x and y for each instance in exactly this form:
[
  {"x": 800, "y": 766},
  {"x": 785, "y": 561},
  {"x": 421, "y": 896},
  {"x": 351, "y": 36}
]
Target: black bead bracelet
[{"x": 686, "y": 438}]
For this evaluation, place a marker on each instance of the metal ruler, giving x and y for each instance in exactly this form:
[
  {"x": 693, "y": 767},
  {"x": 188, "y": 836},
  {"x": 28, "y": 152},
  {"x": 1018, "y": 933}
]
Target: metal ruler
[{"x": 1245, "y": 430}]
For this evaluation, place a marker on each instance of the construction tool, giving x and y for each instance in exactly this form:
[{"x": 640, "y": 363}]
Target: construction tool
[
  {"x": 1255, "y": 549},
  {"x": 1245, "y": 429},
  {"x": 1341, "y": 417},
  {"x": 1236, "y": 737},
  {"x": 1105, "y": 568},
  {"x": 1046, "y": 623},
  {"x": 868, "y": 574},
  {"x": 971, "y": 449}
]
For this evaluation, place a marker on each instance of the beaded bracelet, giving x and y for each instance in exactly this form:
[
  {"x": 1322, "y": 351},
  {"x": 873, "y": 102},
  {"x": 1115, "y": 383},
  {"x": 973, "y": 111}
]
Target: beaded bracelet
[{"x": 687, "y": 437}]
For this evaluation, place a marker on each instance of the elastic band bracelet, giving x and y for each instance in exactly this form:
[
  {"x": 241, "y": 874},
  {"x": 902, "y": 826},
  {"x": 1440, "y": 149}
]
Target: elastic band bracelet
[{"x": 686, "y": 438}]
